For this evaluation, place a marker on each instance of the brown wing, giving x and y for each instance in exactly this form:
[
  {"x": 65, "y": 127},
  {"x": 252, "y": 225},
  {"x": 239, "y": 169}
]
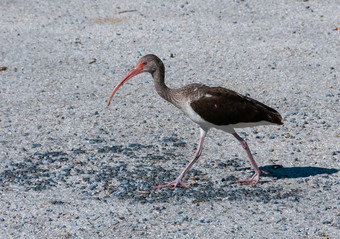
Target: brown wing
[{"x": 221, "y": 106}]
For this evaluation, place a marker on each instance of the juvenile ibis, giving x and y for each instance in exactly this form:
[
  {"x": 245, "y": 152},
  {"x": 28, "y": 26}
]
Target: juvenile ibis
[{"x": 209, "y": 107}]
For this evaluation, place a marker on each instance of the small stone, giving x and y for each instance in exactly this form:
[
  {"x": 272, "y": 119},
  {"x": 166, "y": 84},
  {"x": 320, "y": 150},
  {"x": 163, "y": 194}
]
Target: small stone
[
  {"x": 302, "y": 122},
  {"x": 57, "y": 202},
  {"x": 93, "y": 186},
  {"x": 36, "y": 145},
  {"x": 293, "y": 198},
  {"x": 179, "y": 144},
  {"x": 276, "y": 208},
  {"x": 335, "y": 152}
]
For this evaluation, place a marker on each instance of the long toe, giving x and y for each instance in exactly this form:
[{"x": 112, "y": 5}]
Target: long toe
[
  {"x": 165, "y": 185},
  {"x": 252, "y": 181},
  {"x": 172, "y": 185}
]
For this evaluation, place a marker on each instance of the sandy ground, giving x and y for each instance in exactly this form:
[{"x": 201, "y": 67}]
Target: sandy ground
[{"x": 71, "y": 167}]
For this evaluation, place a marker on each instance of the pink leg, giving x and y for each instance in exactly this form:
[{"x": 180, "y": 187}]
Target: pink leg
[
  {"x": 256, "y": 177},
  {"x": 178, "y": 181}
]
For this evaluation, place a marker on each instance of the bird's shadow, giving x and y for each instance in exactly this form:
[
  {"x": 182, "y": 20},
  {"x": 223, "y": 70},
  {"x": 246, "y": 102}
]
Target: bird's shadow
[{"x": 278, "y": 171}]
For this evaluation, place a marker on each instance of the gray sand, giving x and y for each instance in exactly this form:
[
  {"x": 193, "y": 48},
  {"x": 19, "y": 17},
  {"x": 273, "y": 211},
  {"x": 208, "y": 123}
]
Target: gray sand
[{"x": 71, "y": 167}]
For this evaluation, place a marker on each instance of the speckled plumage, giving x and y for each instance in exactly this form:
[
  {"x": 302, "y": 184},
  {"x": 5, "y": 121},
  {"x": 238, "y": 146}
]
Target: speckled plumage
[
  {"x": 208, "y": 107},
  {"x": 216, "y": 105}
]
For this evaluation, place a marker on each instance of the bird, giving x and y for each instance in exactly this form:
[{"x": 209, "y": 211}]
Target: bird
[{"x": 209, "y": 107}]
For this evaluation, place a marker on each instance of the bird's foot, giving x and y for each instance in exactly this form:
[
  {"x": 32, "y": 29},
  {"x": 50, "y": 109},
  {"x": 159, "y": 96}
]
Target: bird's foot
[
  {"x": 172, "y": 185},
  {"x": 251, "y": 181}
]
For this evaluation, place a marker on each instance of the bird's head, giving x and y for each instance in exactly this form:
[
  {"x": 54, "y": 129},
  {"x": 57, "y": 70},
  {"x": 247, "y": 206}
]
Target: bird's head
[{"x": 148, "y": 63}]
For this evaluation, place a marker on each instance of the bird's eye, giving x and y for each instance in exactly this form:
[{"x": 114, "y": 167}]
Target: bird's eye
[{"x": 145, "y": 63}]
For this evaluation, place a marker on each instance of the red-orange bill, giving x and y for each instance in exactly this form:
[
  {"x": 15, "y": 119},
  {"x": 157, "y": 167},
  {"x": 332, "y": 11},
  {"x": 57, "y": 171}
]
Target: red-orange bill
[{"x": 135, "y": 71}]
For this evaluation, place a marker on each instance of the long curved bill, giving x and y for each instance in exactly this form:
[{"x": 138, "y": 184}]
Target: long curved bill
[{"x": 135, "y": 71}]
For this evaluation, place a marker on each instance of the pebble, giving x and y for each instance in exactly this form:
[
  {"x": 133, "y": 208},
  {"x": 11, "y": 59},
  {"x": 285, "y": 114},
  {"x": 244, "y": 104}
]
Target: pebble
[
  {"x": 302, "y": 122},
  {"x": 93, "y": 186},
  {"x": 293, "y": 199},
  {"x": 36, "y": 145}
]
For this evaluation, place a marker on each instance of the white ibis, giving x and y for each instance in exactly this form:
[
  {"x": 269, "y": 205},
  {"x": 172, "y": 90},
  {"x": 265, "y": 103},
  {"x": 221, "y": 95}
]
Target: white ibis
[{"x": 209, "y": 107}]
